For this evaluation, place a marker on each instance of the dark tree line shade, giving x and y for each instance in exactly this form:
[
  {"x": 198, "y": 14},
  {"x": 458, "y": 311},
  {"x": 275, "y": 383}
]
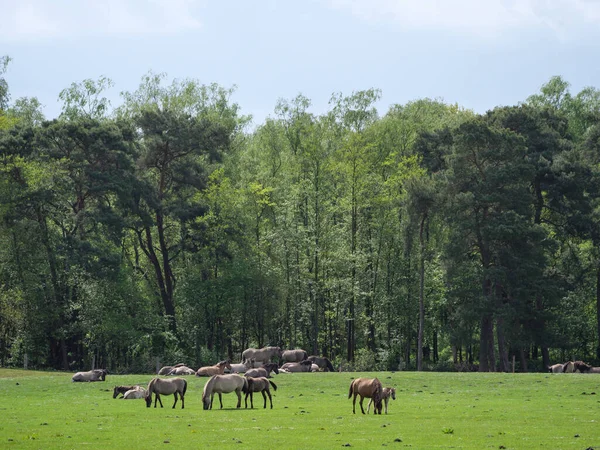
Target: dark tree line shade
[{"x": 427, "y": 238}]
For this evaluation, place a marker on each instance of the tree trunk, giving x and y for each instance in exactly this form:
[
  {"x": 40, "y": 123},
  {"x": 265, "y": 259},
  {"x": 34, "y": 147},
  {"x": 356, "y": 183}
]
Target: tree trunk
[{"x": 421, "y": 295}]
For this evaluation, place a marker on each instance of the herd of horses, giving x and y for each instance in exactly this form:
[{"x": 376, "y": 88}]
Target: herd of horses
[
  {"x": 573, "y": 367},
  {"x": 250, "y": 376}
]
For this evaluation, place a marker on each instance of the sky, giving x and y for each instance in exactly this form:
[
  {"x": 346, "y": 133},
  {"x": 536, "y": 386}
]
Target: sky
[{"x": 477, "y": 53}]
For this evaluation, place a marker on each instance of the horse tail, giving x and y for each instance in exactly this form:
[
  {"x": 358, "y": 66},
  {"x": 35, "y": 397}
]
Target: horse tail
[
  {"x": 329, "y": 365},
  {"x": 351, "y": 389},
  {"x": 184, "y": 387},
  {"x": 273, "y": 384}
]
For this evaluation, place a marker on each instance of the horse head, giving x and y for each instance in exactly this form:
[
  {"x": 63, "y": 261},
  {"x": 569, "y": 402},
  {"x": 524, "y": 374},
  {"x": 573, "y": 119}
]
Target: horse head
[{"x": 148, "y": 398}]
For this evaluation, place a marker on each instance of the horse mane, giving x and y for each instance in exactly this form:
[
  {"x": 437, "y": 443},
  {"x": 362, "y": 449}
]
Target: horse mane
[{"x": 207, "y": 387}]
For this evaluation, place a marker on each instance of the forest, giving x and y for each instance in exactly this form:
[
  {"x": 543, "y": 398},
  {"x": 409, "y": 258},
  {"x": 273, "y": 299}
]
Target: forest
[{"x": 171, "y": 228}]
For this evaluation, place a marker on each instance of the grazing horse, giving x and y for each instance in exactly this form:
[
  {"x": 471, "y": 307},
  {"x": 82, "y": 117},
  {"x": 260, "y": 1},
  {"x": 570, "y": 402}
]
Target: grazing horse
[
  {"x": 261, "y": 355},
  {"x": 122, "y": 389},
  {"x": 217, "y": 369},
  {"x": 302, "y": 366},
  {"x": 223, "y": 384},
  {"x": 166, "y": 386},
  {"x": 92, "y": 375},
  {"x": 366, "y": 387},
  {"x": 263, "y": 371},
  {"x": 166, "y": 369},
  {"x": 182, "y": 370},
  {"x": 134, "y": 394},
  {"x": 296, "y": 355},
  {"x": 386, "y": 393},
  {"x": 322, "y": 362},
  {"x": 261, "y": 385}
]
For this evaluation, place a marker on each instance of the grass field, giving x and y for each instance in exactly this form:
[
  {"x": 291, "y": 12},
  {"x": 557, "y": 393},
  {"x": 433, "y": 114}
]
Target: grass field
[{"x": 42, "y": 410}]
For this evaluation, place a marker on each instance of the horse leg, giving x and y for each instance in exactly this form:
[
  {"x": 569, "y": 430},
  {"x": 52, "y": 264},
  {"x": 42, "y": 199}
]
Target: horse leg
[
  {"x": 182, "y": 403},
  {"x": 361, "y": 404},
  {"x": 386, "y": 400},
  {"x": 354, "y": 404},
  {"x": 270, "y": 398},
  {"x": 175, "y": 395},
  {"x": 212, "y": 397},
  {"x": 369, "y": 405},
  {"x": 221, "y": 400},
  {"x": 246, "y": 400},
  {"x": 239, "y": 394}
]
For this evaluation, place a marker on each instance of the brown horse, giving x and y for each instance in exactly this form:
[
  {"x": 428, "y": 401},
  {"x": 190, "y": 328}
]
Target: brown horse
[
  {"x": 296, "y": 355},
  {"x": 261, "y": 355},
  {"x": 366, "y": 387},
  {"x": 217, "y": 369},
  {"x": 263, "y": 371},
  {"x": 302, "y": 366},
  {"x": 223, "y": 384},
  {"x": 261, "y": 385},
  {"x": 322, "y": 362},
  {"x": 165, "y": 386},
  {"x": 385, "y": 396}
]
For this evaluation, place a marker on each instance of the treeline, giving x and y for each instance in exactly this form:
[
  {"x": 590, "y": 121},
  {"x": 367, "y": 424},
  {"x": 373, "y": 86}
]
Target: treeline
[{"x": 426, "y": 238}]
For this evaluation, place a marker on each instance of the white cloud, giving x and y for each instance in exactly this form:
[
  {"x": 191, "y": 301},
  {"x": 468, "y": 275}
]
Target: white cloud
[
  {"x": 41, "y": 19},
  {"x": 485, "y": 18}
]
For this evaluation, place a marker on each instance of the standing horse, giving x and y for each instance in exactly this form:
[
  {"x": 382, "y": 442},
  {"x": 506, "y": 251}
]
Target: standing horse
[
  {"x": 166, "y": 386},
  {"x": 386, "y": 393},
  {"x": 296, "y": 355},
  {"x": 92, "y": 375},
  {"x": 366, "y": 387},
  {"x": 217, "y": 369},
  {"x": 322, "y": 362},
  {"x": 263, "y": 371},
  {"x": 223, "y": 384},
  {"x": 261, "y": 355},
  {"x": 261, "y": 385}
]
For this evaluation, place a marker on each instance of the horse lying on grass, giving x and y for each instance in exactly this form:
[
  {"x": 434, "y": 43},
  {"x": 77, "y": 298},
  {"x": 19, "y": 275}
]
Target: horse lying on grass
[
  {"x": 165, "y": 386},
  {"x": 92, "y": 375},
  {"x": 123, "y": 389},
  {"x": 303, "y": 366},
  {"x": 366, "y": 387},
  {"x": 322, "y": 362},
  {"x": 217, "y": 369},
  {"x": 263, "y": 371}
]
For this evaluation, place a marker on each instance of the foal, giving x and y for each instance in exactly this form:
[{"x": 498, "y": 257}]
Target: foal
[{"x": 386, "y": 393}]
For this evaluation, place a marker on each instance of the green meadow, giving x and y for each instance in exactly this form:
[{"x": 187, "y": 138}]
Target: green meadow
[{"x": 42, "y": 410}]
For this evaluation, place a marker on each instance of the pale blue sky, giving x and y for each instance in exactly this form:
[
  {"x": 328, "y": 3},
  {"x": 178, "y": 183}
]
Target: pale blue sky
[{"x": 477, "y": 53}]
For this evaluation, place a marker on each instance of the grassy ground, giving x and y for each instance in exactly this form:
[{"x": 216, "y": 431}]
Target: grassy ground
[{"x": 432, "y": 410}]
